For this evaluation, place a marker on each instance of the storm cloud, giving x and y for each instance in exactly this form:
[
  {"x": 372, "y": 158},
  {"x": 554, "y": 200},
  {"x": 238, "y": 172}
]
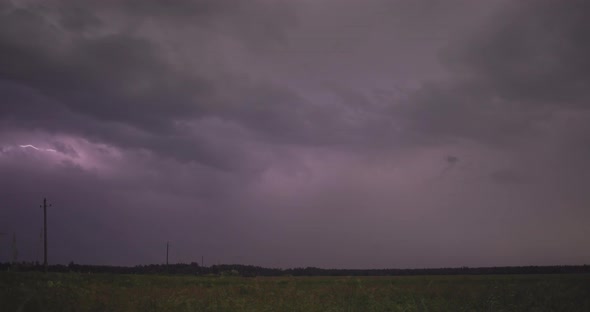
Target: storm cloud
[{"x": 297, "y": 133}]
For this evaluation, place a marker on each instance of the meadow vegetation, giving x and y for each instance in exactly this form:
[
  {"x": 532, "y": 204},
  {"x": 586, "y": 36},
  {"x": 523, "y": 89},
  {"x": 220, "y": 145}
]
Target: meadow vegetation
[{"x": 35, "y": 291}]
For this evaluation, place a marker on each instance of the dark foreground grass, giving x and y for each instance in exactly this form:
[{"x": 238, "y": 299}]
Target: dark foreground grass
[{"x": 104, "y": 292}]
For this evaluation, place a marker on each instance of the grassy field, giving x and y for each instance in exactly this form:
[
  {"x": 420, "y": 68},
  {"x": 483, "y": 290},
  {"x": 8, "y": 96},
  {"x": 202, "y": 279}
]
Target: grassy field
[{"x": 105, "y": 292}]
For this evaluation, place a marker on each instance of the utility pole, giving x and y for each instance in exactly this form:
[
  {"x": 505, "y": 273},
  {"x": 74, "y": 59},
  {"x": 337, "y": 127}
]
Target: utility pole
[
  {"x": 2, "y": 234},
  {"x": 202, "y": 261},
  {"x": 45, "y": 233},
  {"x": 167, "y": 247},
  {"x": 14, "y": 249},
  {"x": 40, "y": 245}
]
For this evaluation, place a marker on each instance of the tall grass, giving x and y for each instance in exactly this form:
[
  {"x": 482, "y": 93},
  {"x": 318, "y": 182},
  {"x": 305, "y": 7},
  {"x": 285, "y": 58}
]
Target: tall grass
[{"x": 105, "y": 292}]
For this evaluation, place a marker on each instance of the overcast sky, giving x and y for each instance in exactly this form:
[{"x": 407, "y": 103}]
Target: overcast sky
[{"x": 293, "y": 133}]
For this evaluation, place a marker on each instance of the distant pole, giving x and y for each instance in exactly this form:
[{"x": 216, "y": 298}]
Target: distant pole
[
  {"x": 2, "y": 234},
  {"x": 14, "y": 249},
  {"x": 167, "y": 248},
  {"x": 202, "y": 261},
  {"x": 40, "y": 244},
  {"x": 45, "y": 233}
]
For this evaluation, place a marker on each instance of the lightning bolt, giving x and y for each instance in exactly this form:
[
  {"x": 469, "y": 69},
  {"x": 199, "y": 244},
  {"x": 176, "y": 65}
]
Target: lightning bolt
[{"x": 39, "y": 149}]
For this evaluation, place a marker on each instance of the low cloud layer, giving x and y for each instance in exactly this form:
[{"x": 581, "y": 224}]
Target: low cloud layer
[{"x": 341, "y": 134}]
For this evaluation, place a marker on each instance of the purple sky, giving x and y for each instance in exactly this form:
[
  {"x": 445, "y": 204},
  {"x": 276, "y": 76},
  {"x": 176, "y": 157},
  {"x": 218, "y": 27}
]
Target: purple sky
[{"x": 283, "y": 133}]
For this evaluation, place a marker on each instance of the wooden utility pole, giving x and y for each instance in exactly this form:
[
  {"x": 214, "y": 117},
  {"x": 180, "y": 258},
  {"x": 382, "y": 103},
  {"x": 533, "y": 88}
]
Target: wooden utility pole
[
  {"x": 40, "y": 245},
  {"x": 45, "y": 233},
  {"x": 167, "y": 247},
  {"x": 2, "y": 234},
  {"x": 14, "y": 249}
]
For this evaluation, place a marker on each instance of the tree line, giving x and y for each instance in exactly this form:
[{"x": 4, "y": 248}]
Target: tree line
[{"x": 252, "y": 271}]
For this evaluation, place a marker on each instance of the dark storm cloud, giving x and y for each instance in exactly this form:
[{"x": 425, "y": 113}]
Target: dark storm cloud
[
  {"x": 535, "y": 54},
  {"x": 123, "y": 78},
  {"x": 509, "y": 76},
  {"x": 95, "y": 76},
  {"x": 93, "y": 82},
  {"x": 106, "y": 79}
]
